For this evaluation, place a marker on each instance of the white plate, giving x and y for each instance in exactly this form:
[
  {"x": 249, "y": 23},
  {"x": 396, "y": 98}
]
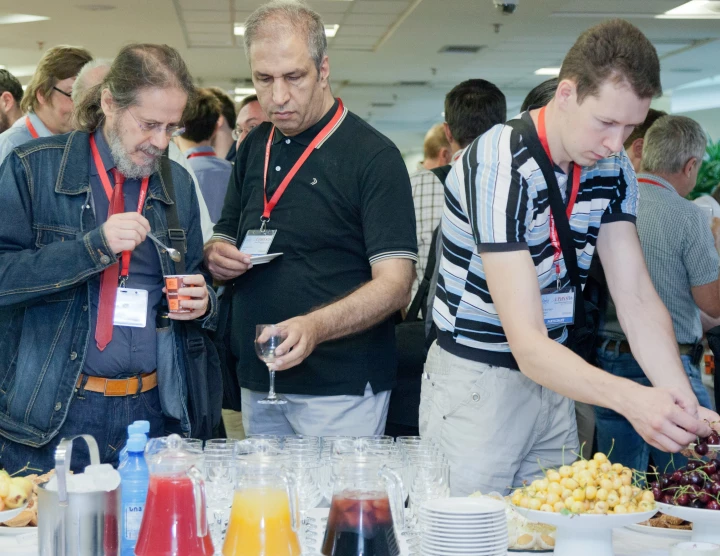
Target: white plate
[
  {"x": 16, "y": 531},
  {"x": 587, "y": 521},
  {"x": 463, "y": 506},
  {"x": 262, "y": 259},
  {"x": 469, "y": 549},
  {"x": 447, "y": 543},
  {"x": 680, "y": 534},
  {"x": 690, "y": 514},
  {"x": 706, "y": 523},
  {"x": 447, "y": 530},
  {"x": 9, "y": 514}
]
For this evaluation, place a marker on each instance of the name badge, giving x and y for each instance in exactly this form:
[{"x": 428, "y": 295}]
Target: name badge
[
  {"x": 558, "y": 306},
  {"x": 257, "y": 242},
  {"x": 131, "y": 308}
]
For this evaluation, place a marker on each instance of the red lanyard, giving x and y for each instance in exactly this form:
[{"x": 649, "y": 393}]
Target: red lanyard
[
  {"x": 319, "y": 138},
  {"x": 651, "y": 182},
  {"x": 202, "y": 153},
  {"x": 119, "y": 179},
  {"x": 31, "y": 128},
  {"x": 575, "y": 173}
]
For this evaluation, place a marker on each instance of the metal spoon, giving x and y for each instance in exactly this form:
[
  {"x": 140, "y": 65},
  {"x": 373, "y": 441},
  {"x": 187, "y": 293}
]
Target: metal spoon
[{"x": 173, "y": 253}]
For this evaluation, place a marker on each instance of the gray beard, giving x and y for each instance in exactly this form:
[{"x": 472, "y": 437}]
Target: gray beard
[{"x": 125, "y": 165}]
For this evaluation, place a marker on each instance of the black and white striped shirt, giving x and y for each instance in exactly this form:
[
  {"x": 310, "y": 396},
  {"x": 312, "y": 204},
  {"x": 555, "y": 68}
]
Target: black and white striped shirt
[{"x": 496, "y": 199}]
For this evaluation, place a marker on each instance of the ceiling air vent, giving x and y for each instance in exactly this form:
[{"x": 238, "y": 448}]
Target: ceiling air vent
[
  {"x": 461, "y": 49},
  {"x": 685, "y": 70},
  {"x": 382, "y": 104}
]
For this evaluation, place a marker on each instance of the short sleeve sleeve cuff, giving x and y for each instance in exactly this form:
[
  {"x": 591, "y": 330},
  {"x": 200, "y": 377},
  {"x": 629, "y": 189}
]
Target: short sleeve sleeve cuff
[
  {"x": 618, "y": 217},
  {"x": 394, "y": 254},
  {"x": 502, "y": 247}
]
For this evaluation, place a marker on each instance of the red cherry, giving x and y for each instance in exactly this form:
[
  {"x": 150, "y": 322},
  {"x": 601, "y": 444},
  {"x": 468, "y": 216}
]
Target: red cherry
[
  {"x": 701, "y": 449},
  {"x": 713, "y": 505}
]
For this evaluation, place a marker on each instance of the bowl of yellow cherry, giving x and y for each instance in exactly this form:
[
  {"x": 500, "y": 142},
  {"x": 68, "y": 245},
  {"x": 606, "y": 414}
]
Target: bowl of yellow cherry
[{"x": 585, "y": 501}]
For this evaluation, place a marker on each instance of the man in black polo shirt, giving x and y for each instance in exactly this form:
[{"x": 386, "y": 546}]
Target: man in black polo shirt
[{"x": 346, "y": 230}]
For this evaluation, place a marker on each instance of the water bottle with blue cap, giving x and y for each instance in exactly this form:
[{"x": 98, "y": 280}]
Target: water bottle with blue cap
[
  {"x": 137, "y": 427},
  {"x": 134, "y": 480}
]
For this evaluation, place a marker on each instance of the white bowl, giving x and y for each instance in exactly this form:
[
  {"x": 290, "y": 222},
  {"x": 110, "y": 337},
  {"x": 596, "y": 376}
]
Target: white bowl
[
  {"x": 586, "y": 534},
  {"x": 9, "y": 514},
  {"x": 706, "y": 523}
]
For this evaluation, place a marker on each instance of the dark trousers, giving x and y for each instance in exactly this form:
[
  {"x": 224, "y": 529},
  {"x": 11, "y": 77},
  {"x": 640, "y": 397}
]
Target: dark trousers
[{"x": 104, "y": 418}]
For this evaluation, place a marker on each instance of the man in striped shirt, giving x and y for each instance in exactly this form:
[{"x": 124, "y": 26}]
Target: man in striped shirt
[{"x": 498, "y": 426}]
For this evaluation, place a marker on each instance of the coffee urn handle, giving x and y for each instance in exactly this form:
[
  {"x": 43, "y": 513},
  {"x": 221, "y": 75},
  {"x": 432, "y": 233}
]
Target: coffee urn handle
[{"x": 63, "y": 457}]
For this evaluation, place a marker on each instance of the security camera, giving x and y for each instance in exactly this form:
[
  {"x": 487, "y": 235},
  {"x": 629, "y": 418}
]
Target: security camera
[{"x": 506, "y": 7}]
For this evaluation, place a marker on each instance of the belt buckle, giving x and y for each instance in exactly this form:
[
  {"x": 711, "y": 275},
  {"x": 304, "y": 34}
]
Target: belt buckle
[{"x": 114, "y": 394}]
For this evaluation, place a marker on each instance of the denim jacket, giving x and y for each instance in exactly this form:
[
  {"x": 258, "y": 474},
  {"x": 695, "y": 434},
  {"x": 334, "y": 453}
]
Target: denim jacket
[{"x": 51, "y": 259}]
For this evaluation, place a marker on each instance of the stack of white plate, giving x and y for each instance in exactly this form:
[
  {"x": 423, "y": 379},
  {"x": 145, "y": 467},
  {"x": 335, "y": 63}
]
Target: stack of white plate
[{"x": 463, "y": 526}]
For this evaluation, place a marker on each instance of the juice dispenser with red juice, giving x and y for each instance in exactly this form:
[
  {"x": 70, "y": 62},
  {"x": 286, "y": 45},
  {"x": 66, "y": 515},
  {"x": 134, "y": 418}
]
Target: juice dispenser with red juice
[{"x": 174, "y": 521}]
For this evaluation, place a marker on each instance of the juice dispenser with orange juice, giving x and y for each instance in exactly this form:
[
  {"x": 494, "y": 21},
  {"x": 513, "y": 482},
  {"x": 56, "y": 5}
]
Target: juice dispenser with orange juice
[{"x": 263, "y": 519}]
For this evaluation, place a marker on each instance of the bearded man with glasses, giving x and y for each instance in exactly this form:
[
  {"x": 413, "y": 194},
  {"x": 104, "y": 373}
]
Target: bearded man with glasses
[
  {"x": 47, "y": 102},
  {"x": 87, "y": 346}
]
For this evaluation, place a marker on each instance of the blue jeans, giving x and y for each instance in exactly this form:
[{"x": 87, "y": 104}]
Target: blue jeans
[
  {"x": 629, "y": 448},
  {"x": 104, "y": 418}
]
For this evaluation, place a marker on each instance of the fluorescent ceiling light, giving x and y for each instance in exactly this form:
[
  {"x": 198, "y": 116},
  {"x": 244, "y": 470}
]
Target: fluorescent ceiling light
[
  {"x": 244, "y": 91},
  {"x": 548, "y": 71},
  {"x": 695, "y": 9},
  {"x": 8, "y": 19},
  {"x": 330, "y": 30}
]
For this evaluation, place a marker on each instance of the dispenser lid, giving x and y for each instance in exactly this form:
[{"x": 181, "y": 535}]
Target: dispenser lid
[
  {"x": 139, "y": 427},
  {"x": 170, "y": 455},
  {"x": 136, "y": 443}
]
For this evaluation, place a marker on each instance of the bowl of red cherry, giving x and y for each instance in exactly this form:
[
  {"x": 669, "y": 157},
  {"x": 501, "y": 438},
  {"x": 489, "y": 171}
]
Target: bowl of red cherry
[{"x": 692, "y": 492}]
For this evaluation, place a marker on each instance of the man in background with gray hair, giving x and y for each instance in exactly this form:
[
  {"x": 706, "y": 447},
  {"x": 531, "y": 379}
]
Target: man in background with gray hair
[
  {"x": 332, "y": 197},
  {"x": 680, "y": 254}
]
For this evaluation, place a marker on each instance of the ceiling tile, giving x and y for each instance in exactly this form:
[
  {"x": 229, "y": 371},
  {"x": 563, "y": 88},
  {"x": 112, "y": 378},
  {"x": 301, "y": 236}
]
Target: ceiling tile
[
  {"x": 394, "y": 7},
  {"x": 369, "y": 19},
  {"x": 361, "y": 30},
  {"x": 204, "y": 16},
  {"x": 209, "y": 28},
  {"x": 214, "y": 39},
  {"x": 213, "y": 5}
]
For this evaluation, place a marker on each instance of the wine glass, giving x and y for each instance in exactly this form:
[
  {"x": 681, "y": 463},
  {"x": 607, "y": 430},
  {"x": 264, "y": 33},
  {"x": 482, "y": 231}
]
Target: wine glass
[{"x": 268, "y": 338}]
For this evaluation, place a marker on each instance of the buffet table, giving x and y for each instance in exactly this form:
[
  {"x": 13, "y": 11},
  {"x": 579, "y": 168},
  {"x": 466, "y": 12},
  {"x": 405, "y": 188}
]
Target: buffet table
[{"x": 625, "y": 542}]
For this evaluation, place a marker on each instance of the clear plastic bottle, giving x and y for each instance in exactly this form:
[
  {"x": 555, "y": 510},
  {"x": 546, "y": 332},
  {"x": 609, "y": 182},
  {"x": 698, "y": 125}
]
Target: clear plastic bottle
[
  {"x": 138, "y": 427},
  {"x": 134, "y": 480}
]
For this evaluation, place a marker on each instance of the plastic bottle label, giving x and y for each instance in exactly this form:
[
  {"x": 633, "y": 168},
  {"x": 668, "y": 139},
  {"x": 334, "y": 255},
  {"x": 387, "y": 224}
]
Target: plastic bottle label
[{"x": 133, "y": 519}]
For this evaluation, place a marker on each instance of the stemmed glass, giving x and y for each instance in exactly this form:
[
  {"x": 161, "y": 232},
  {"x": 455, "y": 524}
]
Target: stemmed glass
[{"x": 268, "y": 338}]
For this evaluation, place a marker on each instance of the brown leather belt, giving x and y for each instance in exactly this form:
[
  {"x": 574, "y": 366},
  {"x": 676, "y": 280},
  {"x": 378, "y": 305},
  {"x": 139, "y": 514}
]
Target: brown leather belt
[
  {"x": 624, "y": 347},
  {"x": 119, "y": 387}
]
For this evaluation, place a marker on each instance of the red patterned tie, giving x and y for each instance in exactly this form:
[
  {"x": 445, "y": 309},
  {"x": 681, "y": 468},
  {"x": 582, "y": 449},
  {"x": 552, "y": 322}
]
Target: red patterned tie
[{"x": 109, "y": 279}]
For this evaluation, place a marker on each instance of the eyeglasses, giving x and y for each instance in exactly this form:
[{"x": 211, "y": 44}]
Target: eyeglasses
[
  {"x": 169, "y": 131},
  {"x": 238, "y": 131},
  {"x": 69, "y": 95}
]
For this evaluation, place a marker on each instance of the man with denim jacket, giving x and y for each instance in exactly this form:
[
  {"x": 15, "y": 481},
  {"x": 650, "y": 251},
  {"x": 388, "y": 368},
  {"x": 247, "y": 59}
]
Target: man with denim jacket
[{"x": 73, "y": 358}]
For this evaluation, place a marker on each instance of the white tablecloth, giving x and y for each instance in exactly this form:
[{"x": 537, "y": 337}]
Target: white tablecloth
[{"x": 625, "y": 542}]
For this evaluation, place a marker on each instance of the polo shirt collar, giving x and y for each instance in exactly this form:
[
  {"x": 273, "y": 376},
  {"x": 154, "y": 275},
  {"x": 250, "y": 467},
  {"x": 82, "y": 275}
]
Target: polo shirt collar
[
  {"x": 199, "y": 149},
  {"x": 40, "y": 127},
  {"x": 104, "y": 150},
  {"x": 306, "y": 137},
  {"x": 666, "y": 184}
]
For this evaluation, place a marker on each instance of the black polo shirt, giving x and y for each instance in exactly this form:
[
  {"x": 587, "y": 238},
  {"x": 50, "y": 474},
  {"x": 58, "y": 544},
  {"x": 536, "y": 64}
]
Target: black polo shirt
[{"x": 349, "y": 205}]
